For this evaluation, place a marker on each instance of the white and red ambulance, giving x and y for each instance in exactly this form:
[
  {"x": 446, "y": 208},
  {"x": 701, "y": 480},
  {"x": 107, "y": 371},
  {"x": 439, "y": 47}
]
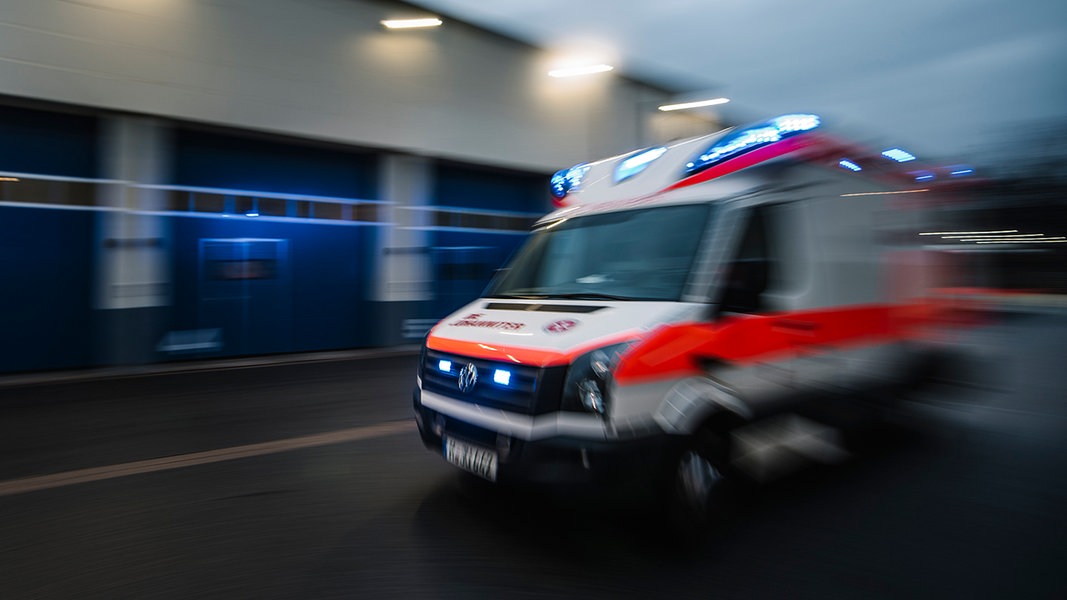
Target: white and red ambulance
[{"x": 691, "y": 312}]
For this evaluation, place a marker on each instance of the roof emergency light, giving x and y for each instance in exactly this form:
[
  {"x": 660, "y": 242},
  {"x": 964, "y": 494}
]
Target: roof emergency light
[
  {"x": 898, "y": 155},
  {"x": 749, "y": 138},
  {"x": 566, "y": 180},
  {"x": 637, "y": 162}
]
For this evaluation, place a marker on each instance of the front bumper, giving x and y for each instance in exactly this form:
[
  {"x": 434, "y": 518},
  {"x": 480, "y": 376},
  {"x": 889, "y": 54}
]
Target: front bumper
[{"x": 562, "y": 461}]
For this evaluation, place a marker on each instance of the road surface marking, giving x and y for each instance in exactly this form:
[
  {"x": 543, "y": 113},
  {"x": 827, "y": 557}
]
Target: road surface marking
[{"x": 44, "y": 482}]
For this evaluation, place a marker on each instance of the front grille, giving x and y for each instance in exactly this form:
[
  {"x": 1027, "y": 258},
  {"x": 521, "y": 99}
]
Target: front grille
[{"x": 530, "y": 390}]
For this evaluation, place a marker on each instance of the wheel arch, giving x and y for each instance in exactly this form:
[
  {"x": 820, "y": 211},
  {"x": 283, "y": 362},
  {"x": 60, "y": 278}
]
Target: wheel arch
[{"x": 698, "y": 403}]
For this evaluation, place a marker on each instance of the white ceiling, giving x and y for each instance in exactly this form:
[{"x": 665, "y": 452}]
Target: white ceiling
[{"x": 940, "y": 77}]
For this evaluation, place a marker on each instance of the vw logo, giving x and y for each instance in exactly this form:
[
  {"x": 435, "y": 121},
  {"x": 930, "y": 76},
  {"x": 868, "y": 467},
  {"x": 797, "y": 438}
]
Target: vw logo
[{"x": 468, "y": 376}]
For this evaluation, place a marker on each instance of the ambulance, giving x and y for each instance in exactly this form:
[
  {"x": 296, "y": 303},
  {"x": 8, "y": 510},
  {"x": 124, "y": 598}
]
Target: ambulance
[{"x": 692, "y": 314}]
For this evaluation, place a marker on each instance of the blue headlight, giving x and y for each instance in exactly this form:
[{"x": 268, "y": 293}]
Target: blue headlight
[
  {"x": 845, "y": 163},
  {"x": 567, "y": 180},
  {"x": 502, "y": 376},
  {"x": 752, "y": 137}
]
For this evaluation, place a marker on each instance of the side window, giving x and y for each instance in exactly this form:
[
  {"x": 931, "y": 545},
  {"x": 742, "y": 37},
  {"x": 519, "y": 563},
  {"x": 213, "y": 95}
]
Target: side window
[{"x": 749, "y": 272}]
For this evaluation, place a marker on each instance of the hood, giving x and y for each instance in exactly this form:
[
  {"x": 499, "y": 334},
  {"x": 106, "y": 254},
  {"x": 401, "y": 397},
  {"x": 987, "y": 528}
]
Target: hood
[{"x": 550, "y": 332}]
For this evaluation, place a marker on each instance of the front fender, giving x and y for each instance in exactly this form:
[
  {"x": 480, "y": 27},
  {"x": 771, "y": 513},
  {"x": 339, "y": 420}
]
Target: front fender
[{"x": 691, "y": 401}]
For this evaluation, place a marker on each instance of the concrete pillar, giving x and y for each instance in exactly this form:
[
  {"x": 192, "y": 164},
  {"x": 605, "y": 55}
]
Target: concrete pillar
[
  {"x": 403, "y": 279},
  {"x": 133, "y": 282}
]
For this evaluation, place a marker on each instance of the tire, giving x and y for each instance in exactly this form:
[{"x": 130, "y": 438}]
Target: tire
[{"x": 702, "y": 491}]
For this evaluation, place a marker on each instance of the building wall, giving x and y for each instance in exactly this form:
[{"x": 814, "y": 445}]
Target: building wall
[
  {"x": 322, "y": 69},
  {"x": 130, "y": 239},
  {"x": 203, "y": 178}
]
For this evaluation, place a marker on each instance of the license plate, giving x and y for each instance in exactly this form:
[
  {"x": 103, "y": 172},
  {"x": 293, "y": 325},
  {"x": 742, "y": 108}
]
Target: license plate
[{"x": 471, "y": 458}]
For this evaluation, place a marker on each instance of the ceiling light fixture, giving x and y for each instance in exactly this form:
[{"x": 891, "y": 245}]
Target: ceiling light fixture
[
  {"x": 887, "y": 194},
  {"x": 968, "y": 233},
  {"x": 582, "y": 70},
  {"x": 1048, "y": 240},
  {"x": 695, "y": 104},
  {"x": 411, "y": 23}
]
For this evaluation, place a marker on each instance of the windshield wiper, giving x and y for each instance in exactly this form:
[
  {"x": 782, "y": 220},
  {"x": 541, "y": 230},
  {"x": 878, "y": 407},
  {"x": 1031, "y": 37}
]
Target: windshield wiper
[
  {"x": 590, "y": 296},
  {"x": 519, "y": 296}
]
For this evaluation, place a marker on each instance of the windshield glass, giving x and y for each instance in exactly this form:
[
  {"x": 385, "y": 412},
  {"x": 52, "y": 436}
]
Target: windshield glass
[{"x": 633, "y": 255}]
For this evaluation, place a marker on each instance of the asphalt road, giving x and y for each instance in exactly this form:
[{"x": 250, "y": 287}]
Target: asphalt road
[{"x": 309, "y": 481}]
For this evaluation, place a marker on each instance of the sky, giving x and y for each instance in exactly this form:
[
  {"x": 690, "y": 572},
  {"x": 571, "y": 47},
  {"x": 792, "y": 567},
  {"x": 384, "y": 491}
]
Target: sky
[{"x": 947, "y": 78}]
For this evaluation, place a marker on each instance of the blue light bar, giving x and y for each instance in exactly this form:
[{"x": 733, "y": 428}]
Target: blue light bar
[
  {"x": 845, "y": 163},
  {"x": 444, "y": 366},
  {"x": 923, "y": 175},
  {"x": 898, "y": 155},
  {"x": 961, "y": 171},
  {"x": 502, "y": 376},
  {"x": 637, "y": 162},
  {"x": 752, "y": 137},
  {"x": 567, "y": 180},
  {"x": 795, "y": 123}
]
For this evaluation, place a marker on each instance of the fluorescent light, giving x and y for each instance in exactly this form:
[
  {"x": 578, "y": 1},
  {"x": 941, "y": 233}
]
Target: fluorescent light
[
  {"x": 1042, "y": 240},
  {"x": 845, "y": 163},
  {"x": 411, "y": 23},
  {"x": 695, "y": 104},
  {"x": 583, "y": 70},
  {"x": 993, "y": 237},
  {"x": 969, "y": 232},
  {"x": 886, "y": 194}
]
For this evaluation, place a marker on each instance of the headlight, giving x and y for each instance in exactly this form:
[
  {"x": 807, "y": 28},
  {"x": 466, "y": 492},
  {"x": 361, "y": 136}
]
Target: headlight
[
  {"x": 422, "y": 358},
  {"x": 588, "y": 383}
]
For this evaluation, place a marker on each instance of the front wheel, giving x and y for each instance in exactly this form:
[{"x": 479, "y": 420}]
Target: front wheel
[{"x": 702, "y": 493}]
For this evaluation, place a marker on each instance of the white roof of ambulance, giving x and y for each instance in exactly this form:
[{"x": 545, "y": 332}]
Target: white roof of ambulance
[{"x": 667, "y": 173}]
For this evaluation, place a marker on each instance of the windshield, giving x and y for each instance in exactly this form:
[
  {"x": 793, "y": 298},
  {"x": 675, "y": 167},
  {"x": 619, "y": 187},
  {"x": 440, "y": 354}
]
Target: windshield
[{"x": 633, "y": 255}]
